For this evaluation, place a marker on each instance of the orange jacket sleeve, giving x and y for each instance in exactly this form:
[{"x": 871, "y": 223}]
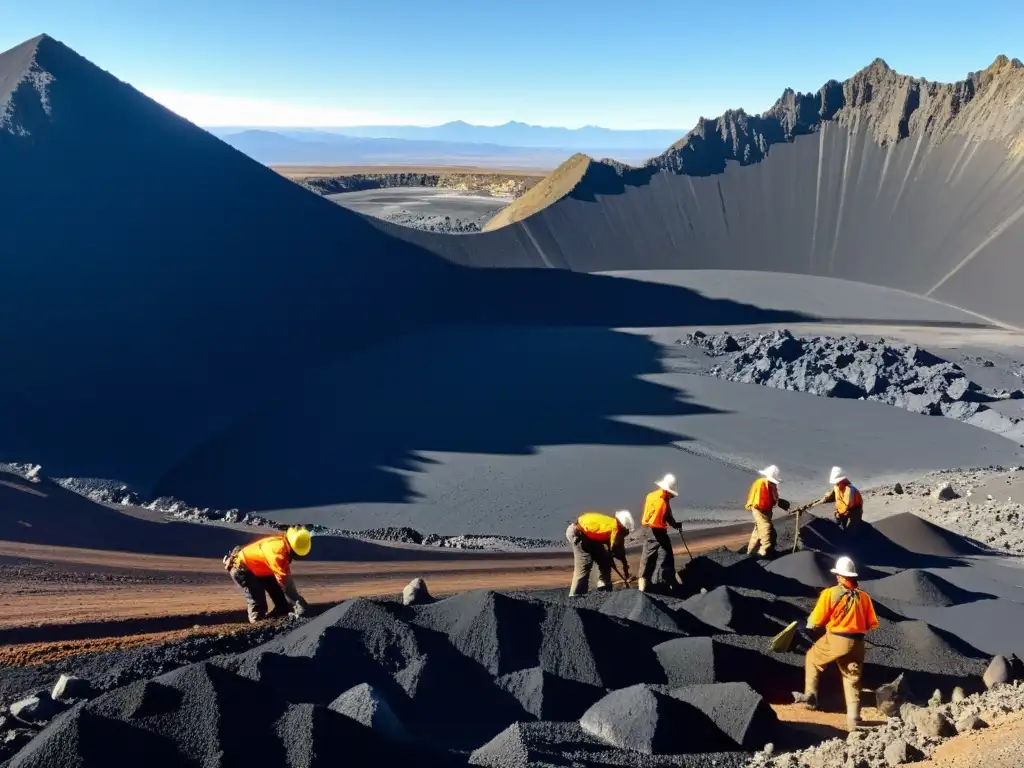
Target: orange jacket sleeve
[
  {"x": 869, "y": 611},
  {"x": 822, "y": 611}
]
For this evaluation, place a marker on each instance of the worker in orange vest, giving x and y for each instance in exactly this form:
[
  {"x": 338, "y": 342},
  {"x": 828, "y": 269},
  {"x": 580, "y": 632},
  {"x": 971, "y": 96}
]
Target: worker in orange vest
[
  {"x": 657, "y": 551},
  {"x": 597, "y": 538},
  {"x": 761, "y": 502},
  {"x": 849, "y": 502},
  {"x": 265, "y": 568},
  {"x": 846, "y": 613}
]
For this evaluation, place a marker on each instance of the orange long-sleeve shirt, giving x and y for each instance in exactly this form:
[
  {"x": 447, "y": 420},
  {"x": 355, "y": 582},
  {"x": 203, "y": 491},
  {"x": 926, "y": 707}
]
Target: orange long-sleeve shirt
[
  {"x": 268, "y": 557},
  {"x": 763, "y": 496},
  {"x": 658, "y": 510},
  {"x": 844, "y": 612}
]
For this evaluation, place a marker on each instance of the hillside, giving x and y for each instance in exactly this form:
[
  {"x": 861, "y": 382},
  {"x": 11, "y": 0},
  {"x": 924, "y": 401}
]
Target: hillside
[{"x": 888, "y": 105}]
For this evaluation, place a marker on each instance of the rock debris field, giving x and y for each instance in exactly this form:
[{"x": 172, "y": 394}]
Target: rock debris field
[
  {"x": 902, "y": 375},
  {"x": 515, "y": 679}
]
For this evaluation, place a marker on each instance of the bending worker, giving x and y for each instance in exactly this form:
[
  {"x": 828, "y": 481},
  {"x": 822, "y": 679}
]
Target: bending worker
[
  {"x": 849, "y": 503},
  {"x": 265, "y": 568},
  {"x": 847, "y": 614},
  {"x": 657, "y": 549},
  {"x": 597, "y": 538},
  {"x": 761, "y": 501}
]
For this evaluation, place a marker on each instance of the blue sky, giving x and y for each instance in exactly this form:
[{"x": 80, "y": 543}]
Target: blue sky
[{"x": 623, "y": 64}]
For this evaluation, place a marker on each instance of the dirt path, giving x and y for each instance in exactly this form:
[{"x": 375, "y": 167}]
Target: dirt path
[{"x": 62, "y": 600}]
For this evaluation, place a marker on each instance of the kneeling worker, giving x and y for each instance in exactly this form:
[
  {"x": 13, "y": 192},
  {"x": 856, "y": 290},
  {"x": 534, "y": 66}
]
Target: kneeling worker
[
  {"x": 657, "y": 551},
  {"x": 849, "y": 503},
  {"x": 597, "y": 538},
  {"x": 847, "y": 614},
  {"x": 761, "y": 502},
  {"x": 265, "y": 568}
]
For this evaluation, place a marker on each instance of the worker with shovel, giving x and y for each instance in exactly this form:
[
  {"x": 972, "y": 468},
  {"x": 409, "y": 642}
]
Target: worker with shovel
[
  {"x": 849, "y": 502},
  {"x": 265, "y": 568},
  {"x": 601, "y": 539},
  {"x": 761, "y": 502},
  {"x": 657, "y": 552},
  {"x": 846, "y": 613}
]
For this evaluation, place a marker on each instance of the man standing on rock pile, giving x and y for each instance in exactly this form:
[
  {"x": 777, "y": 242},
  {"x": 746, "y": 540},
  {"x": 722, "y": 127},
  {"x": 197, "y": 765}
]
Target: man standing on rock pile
[
  {"x": 847, "y": 614},
  {"x": 657, "y": 549},
  {"x": 265, "y": 568},
  {"x": 598, "y": 538},
  {"x": 849, "y": 503},
  {"x": 761, "y": 501}
]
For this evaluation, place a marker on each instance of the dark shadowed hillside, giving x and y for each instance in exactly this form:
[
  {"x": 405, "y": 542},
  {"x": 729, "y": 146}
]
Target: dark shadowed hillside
[{"x": 156, "y": 284}]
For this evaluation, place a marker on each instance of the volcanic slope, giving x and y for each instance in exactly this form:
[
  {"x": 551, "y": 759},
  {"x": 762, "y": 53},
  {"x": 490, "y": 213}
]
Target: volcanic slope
[
  {"x": 509, "y": 679},
  {"x": 883, "y": 179},
  {"x": 156, "y": 283}
]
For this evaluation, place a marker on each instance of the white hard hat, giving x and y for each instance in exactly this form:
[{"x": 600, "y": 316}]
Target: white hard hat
[
  {"x": 626, "y": 519},
  {"x": 845, "y": 567},
  {"x": 835, "y": 476},
  {"x": 771, "y": 474},
  {"x": 668, "y": 483}
]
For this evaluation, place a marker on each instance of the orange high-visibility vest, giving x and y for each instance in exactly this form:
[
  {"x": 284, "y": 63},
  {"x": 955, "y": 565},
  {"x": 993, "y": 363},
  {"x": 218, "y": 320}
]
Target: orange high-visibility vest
[{"x": 847, "y": 498}]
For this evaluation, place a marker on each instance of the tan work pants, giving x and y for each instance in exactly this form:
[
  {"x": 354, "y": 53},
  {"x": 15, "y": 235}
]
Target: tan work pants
[
  {"x": 848, "y": 654},
  {"x": 762, "y": 538}
]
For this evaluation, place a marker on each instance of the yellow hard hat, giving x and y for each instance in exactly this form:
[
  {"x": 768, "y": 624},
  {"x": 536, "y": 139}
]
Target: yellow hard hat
[{"x": 299, "y": 540}]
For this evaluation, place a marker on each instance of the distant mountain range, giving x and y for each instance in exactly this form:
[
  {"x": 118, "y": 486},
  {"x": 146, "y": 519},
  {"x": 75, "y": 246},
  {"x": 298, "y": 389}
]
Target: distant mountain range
[
  {"x": 298, "y": 146},
  {"x": 590, "y": 138}
]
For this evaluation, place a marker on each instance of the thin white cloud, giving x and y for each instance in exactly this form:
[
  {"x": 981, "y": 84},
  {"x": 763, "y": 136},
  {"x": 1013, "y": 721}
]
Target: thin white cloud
[{"x": 213, "y": 110}]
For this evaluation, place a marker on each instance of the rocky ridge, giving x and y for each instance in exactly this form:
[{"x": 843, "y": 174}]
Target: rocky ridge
[
  {"x": 985, "y": 106},
  {"x": 495, "y": 184},
  {"x": 902, "y": 375}
]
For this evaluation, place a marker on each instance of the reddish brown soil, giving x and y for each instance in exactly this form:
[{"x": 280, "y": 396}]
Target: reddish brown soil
[{"x": 60, "y": 601}]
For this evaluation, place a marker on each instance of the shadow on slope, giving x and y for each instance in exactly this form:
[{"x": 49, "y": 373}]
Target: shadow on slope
[
  {"x": 162, "y": 284},
  {"x": 349, "y": 433}
]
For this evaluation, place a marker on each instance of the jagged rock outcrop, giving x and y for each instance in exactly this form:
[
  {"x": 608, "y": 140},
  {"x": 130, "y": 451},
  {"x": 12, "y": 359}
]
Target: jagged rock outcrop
[{"x": 985, "y": 105}]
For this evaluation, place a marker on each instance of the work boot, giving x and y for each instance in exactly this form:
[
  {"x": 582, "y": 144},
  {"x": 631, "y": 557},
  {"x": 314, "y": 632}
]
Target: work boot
[
  {"x": 641, "y": 584},
  {"x": 809, "y": 700},
  {"x": 603, "y": 587}
]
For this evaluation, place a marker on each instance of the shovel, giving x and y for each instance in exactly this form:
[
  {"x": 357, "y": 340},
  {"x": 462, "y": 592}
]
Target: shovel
[
  {"x": 796, "y": 523},
  {"x": 782, "y": 641}
]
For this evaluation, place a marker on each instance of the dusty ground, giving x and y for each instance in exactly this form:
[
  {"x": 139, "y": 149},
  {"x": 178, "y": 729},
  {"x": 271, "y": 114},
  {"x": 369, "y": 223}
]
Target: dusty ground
[
  {"x": 825, "y": 725},
  {"x": 59, "y": 601},
  {"x": 1000, "y": 746},
  {"x": 308, "y": 171}
]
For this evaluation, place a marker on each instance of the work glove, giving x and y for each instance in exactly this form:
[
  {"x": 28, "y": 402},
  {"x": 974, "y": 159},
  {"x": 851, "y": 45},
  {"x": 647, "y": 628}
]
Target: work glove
[
  {"x": 679, "y": 528},
  {"x": 784, "y": 505}
]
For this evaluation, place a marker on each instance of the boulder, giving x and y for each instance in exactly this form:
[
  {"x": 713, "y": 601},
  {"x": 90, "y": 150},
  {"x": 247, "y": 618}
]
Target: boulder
[
  {"x": 899, "y": 752},
  {"x": 36, "y": 710},
  {"x": 415, "y": 593},
  {"x": 69, "y": 688},
  {"x": 933, "y": 724},
  {"x": 999, "y": 672},
  {"x": 897, "y": 489},
  {"x": 958, "y": 695},
  {"x": 891, "y": 696},
  {"x": 945, "y": 492},
  {"x": 969, "y": 722},
  {"x": 936, "y": 698}
]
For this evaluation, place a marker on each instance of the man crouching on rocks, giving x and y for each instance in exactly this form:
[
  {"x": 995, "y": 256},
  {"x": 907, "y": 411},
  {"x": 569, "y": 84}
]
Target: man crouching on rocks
[
  {"x": 847, "y": 614},
  {"x": 265, "y": 568},
  {"x": 601, "y": 539}
]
